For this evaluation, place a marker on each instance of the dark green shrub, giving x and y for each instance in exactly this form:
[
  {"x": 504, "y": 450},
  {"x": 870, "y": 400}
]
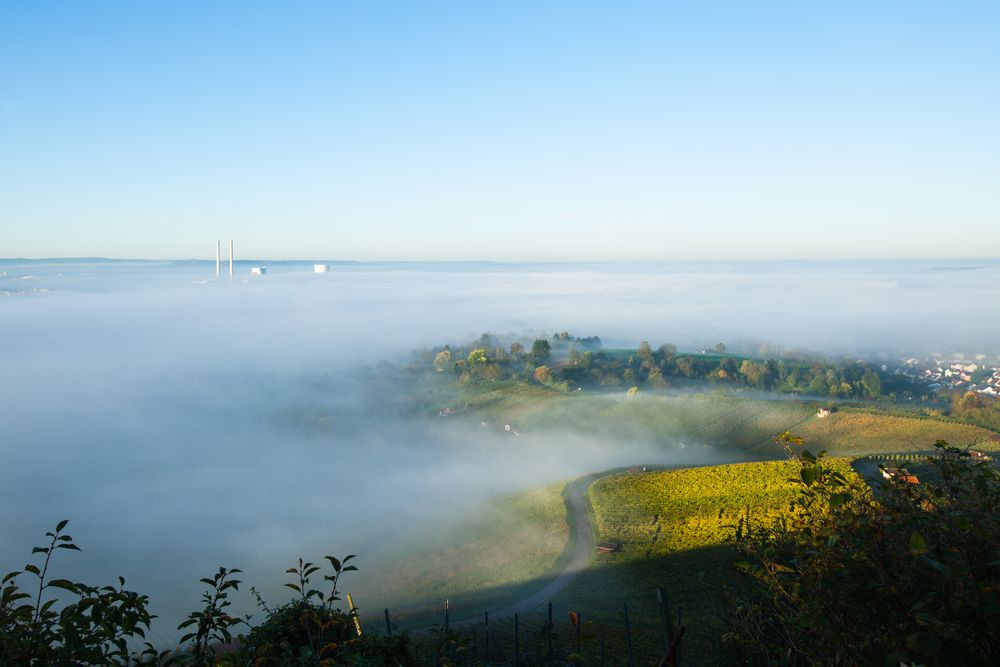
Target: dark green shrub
[{"x": 905, "y": 573}]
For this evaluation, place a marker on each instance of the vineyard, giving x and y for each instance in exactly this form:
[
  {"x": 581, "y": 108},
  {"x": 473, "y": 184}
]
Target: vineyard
[
  {"x": 508, "y": 401},
  {"x": 675, "y": 530},
  {"x": 705, "y": 422},
  {"x": 846, "y": 432},
  {"x": 730, "y": 425}
]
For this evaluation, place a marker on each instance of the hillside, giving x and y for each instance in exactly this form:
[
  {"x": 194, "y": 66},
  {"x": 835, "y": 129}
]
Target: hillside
[{"x": 675, "y": 529}]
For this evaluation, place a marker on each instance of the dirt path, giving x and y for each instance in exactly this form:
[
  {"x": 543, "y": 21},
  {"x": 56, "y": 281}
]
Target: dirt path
[
  {"x": 580, "y": 547},
  {"x": 579, "y": 550}
]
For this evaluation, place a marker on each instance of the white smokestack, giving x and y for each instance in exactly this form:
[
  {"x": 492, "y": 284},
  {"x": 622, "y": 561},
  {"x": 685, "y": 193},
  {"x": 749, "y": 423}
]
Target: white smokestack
[
  {"x": 218, "y": 257},
  {"x": 230, "y": 259}
]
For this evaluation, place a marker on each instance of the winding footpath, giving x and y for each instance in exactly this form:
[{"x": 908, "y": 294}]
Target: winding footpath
[{"x": 579, "y": 550}]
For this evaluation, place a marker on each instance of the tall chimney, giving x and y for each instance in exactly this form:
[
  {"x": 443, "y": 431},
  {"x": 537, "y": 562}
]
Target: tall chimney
[
  {"x": 230, "y": 259},
  {"x": 218, "y": 257}
]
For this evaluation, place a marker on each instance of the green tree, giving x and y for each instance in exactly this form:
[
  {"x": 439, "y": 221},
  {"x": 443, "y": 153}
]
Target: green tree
[
  {"x": 753, "y": 372},
  {"x": 667, "y": 351},
  {"x": 541, "y": 350},
  {"x": 645, "y": 355},
  {"x": 720, "y": 347},
  {"x": 478, "y": 357},
  {"x": 872, "y": 384}
]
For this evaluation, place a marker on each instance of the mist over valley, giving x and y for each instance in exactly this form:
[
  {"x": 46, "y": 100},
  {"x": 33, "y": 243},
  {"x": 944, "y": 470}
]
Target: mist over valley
[{"x": 184, "y": 422}]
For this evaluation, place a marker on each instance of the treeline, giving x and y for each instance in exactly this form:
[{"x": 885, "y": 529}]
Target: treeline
[
  {"x": 973, "y": 408},
  {"x": 567, "y": 362}
]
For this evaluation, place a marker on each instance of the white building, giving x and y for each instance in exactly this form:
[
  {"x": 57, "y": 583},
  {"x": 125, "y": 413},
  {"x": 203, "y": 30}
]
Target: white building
[
  {"x": 258, "y": 270},
  {"x": 321, "y": 268}
]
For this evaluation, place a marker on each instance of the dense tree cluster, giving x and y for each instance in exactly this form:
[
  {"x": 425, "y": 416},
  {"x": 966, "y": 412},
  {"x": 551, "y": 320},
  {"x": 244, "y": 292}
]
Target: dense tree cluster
[
  {"x": 571, "y": 362},
  {"x": 977, "y": 409}
]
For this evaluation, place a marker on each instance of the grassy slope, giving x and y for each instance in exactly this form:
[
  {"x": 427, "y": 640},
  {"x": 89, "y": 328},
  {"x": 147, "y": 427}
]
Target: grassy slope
[
  {"x": 484, "y": 560},
  {"x": 716, "y": 421},
  {"x": 675, "y": 528},
  {"x": 477, "y": 560},
  {"x": 508, "y": 401}
]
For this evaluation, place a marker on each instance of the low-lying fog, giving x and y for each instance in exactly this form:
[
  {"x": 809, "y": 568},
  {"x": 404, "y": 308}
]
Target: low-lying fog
[{"x": 158, "y": 411}]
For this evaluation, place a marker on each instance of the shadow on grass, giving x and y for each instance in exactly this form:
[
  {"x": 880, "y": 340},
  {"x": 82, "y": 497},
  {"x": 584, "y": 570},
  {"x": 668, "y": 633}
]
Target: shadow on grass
[{"x": 699, "y": 584}]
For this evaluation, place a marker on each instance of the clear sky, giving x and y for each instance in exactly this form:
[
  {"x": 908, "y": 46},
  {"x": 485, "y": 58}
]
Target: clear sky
[{"x": 500, "y": 130}]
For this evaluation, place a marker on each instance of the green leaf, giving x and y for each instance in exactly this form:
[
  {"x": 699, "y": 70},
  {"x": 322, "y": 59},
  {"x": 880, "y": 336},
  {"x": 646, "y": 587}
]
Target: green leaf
[
  {"x": 917, "y": 544},
  {"x": 39, "y": 550},
  {"x": 31, "y": 568},
  {"x": 68, "y": 545},
  {"x": 808, "y": 476},
  {"x": 64, "y": 584},
  {"x": 61, "y": 525}
]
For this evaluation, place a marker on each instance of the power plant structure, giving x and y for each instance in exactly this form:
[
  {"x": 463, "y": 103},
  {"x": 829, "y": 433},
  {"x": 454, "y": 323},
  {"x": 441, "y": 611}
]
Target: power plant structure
[
  {"x": 254, "y": 270},
  {"x": 218, "y": 259}
]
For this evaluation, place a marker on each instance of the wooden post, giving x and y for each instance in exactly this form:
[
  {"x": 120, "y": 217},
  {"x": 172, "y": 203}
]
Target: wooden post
[
  {"x": 446, "y": 614},
  {"x": 680, "y": 624},
  {"x": 388, "y": 624},
  {"x": 354, "y": 614},
  {"x": 548, "y": 633},
  {"x": 668, "y": 624},
  {"x": 628, "y": 637},
  {"x": 579, "y": 623},
  {"x": 517, "y": 640}
]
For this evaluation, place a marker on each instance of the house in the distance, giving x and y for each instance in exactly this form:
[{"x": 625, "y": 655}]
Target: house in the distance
[{"x": 824, "y": 412}]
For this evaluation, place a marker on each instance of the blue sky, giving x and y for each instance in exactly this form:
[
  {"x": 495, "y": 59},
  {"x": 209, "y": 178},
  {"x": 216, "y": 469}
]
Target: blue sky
[{"x": 501, "y": 131}]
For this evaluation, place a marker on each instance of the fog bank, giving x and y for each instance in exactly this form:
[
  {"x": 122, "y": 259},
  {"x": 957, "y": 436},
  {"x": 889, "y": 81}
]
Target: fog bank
[{"x": 157, "y": 408}]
